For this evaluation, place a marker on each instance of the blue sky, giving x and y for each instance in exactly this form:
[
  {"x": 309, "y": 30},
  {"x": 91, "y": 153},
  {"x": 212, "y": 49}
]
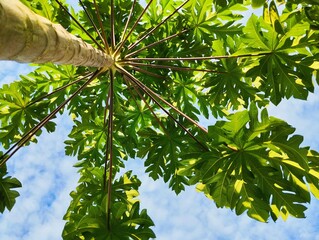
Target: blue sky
[{"x": 48, "y": 177}]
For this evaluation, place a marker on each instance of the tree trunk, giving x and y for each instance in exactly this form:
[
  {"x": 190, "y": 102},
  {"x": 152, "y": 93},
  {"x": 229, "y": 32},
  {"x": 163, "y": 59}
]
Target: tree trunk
[{"x": 31, "y": 38}]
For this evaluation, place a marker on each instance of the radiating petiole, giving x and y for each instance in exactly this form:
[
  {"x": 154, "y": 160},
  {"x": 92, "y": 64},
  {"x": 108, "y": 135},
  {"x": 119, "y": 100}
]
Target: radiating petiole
[
  {"x": 11, "y": 151},
  {"x": 145, "y": 89}
]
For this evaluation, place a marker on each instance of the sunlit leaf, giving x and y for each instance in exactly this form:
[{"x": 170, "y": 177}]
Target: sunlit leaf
[{"x": 175, "y": 62}]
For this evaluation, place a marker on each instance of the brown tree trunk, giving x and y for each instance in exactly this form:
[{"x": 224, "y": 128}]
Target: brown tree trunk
[{"x": 31, "y": 38}]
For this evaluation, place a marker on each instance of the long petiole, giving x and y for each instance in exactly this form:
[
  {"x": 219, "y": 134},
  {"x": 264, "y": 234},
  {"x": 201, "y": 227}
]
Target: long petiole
[
  {"x": 196, "y": 58},
  {"x": 59, "y": 89},
  {"x": 156, "y": 43},
  {"x": 128, "y": 20},
  {"x": 178, "y": 111},
  {"x": 128, "y": 79},
  {"x": 80, "y": 25},
  {"x": 147, "y": 72},
  {"x": 131, "y": 92},
  {"x": 106, "y": 106},
  {"x": 110, "y": 133},
  {"x": 107, "y": 139},
  {"x": 157, "y": 26},
  {"x": 106, "y": 158},
  {"x": 9, "y": 153},
  {"x": 112, "y": 25},
  {"x": 132, "y": 29},
  {"x": 102, "y": 28},
  {"x": 172, "y": 67},
  {"x": 144, "y": 89},
  {"x": 171, "y": 106},
  {"x": 91, "y": 20}
]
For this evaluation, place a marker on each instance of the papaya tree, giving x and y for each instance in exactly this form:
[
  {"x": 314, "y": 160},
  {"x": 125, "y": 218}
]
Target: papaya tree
[{"x": 161, "y": 66}]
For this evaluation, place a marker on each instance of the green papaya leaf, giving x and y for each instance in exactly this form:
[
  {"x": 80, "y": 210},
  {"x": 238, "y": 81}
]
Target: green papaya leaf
[
  {"x": 259, "y": 167},
  {"x": 7, "y": 194}
]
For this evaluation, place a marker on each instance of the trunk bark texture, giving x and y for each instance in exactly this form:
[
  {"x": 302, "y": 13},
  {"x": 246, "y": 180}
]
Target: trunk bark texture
[{"x": 31, "y": 38}]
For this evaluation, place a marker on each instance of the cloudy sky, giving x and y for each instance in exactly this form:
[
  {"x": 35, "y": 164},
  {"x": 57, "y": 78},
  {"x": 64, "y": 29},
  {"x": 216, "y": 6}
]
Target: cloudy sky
[{"x": 48, "y": 177}]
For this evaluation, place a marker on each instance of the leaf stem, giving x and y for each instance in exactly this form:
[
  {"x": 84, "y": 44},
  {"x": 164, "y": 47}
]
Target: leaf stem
[
  {"x": 128, "y": 20},
  {"x": 102, "y": 28},
  {"x": 171, "y": 106},
  {"x": 9, "y": 153},
  {"x": 196, "y": 58},
  {"x": 59, "y": 89},
  {"x": 145, "y": 89},
  {"x": 79, "y": 24},
  {"x": 107, "y": 138},
  {"x": 132, "y": 29},
  {"x": 172, "y": 67},
  {"x": 147, "y": 104},
  {"x": 106, "y": 106},
  {"x": 157, "y": 26},
  {"x": 131, "y": 92},
  {"x": 91, "y": 20},
  {"x": 147, "y": 72},
  {"x": 110, "y": 132},
  {"x": 112, "y": 26},
  {"x": 156, "y": 43}
]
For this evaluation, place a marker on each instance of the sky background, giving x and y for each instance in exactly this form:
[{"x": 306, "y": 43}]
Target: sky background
[{"x": 48, "y": 177}]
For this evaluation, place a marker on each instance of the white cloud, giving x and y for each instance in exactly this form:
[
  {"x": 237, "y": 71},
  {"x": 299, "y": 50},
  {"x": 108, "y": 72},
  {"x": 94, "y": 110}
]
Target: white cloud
[{"x": 47, "y": 177}]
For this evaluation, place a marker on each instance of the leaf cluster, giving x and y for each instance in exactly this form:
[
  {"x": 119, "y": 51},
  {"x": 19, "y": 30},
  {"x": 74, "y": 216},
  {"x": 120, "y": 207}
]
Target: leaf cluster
[
  {"x": 88, "y": 212},
  {"x": 204, "y": 62},
  {"x": 256, "y": 165}
]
